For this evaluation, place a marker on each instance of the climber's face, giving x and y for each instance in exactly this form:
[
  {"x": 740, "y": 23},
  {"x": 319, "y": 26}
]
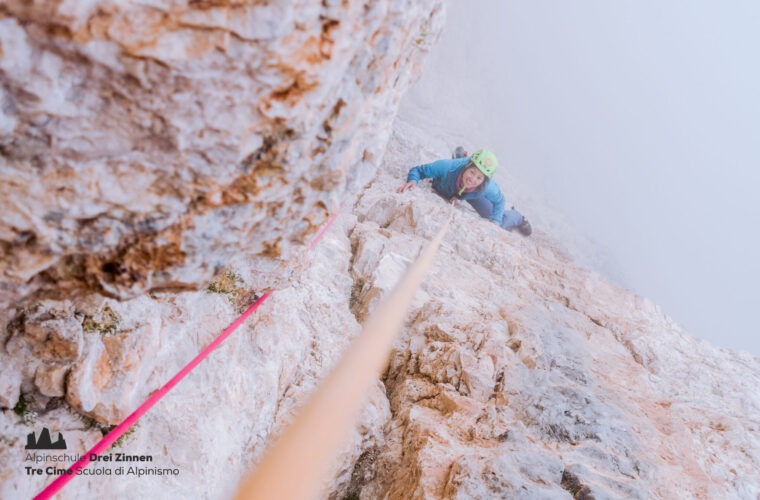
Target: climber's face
[{"x": 473, "y": 177}]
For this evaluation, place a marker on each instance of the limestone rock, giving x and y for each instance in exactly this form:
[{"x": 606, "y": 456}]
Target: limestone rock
[
  {"x": 234, "y": 401},
  {"x": 158, "y": 148},
  {"x": 50, "y": 379},
  {"x": 89, "y": 378},
  {"x": 10, "y": 385},
  {"x": 541, "y": 381},
  {"x": 55, "y": 339},
  {"x": 146, "y": 150},
  {"x": 523, "y": 375},
  {"x": 143, "y": 146}
]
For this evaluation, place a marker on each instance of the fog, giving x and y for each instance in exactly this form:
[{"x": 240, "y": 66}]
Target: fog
[{"x": 638, "y": 121}]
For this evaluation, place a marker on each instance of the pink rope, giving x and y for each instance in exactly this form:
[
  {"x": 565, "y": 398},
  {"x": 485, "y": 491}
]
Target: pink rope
[
  {"x": 329, "y": 223},
  {"x": 120, "y": 429}
]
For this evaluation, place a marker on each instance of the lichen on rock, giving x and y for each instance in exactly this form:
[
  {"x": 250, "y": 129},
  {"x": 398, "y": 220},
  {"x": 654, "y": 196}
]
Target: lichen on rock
[
  {"x": 228, "y": 283},
  {"x": 105, "y": 322}
]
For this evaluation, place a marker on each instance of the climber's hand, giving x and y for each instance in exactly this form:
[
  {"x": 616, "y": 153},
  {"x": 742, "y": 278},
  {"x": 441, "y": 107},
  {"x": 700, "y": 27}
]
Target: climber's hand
[
  {"x": 408, "y": 185},
  {"x": 453, "y": 200}
]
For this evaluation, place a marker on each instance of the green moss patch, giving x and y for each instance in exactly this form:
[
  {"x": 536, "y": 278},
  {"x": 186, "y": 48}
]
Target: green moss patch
[
  {"x": 356, "y": 290},
  {"x": 104, "y": 429},
  {"x": 123, "y": 438},
  {"x": 105, "y": 322},
  {"x": 24, "y": 409},
  {"x": 7, "y": 441},
  {"x": 228, "y": 283}
]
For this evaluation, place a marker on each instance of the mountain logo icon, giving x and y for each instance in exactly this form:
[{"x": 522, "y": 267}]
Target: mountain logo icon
[{"x": 44, "y": 442}]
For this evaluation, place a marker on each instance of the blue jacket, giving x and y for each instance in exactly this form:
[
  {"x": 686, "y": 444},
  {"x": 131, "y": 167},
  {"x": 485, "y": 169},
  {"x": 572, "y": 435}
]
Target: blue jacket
[{"x": 445, "y": 173}]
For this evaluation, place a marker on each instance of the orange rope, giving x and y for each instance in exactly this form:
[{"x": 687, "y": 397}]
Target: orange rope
[{"x": 297, "y": 463}]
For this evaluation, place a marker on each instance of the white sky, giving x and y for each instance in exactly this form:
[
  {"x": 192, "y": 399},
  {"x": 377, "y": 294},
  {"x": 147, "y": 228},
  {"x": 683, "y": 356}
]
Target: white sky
[{"x": 640, "y": 121}]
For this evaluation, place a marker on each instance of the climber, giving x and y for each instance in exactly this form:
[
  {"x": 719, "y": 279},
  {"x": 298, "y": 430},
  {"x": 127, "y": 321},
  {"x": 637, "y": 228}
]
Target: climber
[{"x": 469, "y": 178}]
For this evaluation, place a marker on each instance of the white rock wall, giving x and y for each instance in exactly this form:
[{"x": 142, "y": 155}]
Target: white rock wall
[
  {"x": 144, "y": 144},
  {"x": 521, "y": 375},
  {"x": 214, "y": 425},
  {"x": 147, "y": 147}
]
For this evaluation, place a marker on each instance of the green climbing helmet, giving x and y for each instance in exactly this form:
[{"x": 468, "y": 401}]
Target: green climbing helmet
[{"x": 485, "y": 161}]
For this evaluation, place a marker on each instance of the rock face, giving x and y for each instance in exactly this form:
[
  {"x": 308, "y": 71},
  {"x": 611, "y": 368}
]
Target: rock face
[
  {"x": 214, "y": 425},
  {"x": 143, "y": 145},
  {"x": 151, "y": 148},
  {"x": 522, "y": 375}
]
